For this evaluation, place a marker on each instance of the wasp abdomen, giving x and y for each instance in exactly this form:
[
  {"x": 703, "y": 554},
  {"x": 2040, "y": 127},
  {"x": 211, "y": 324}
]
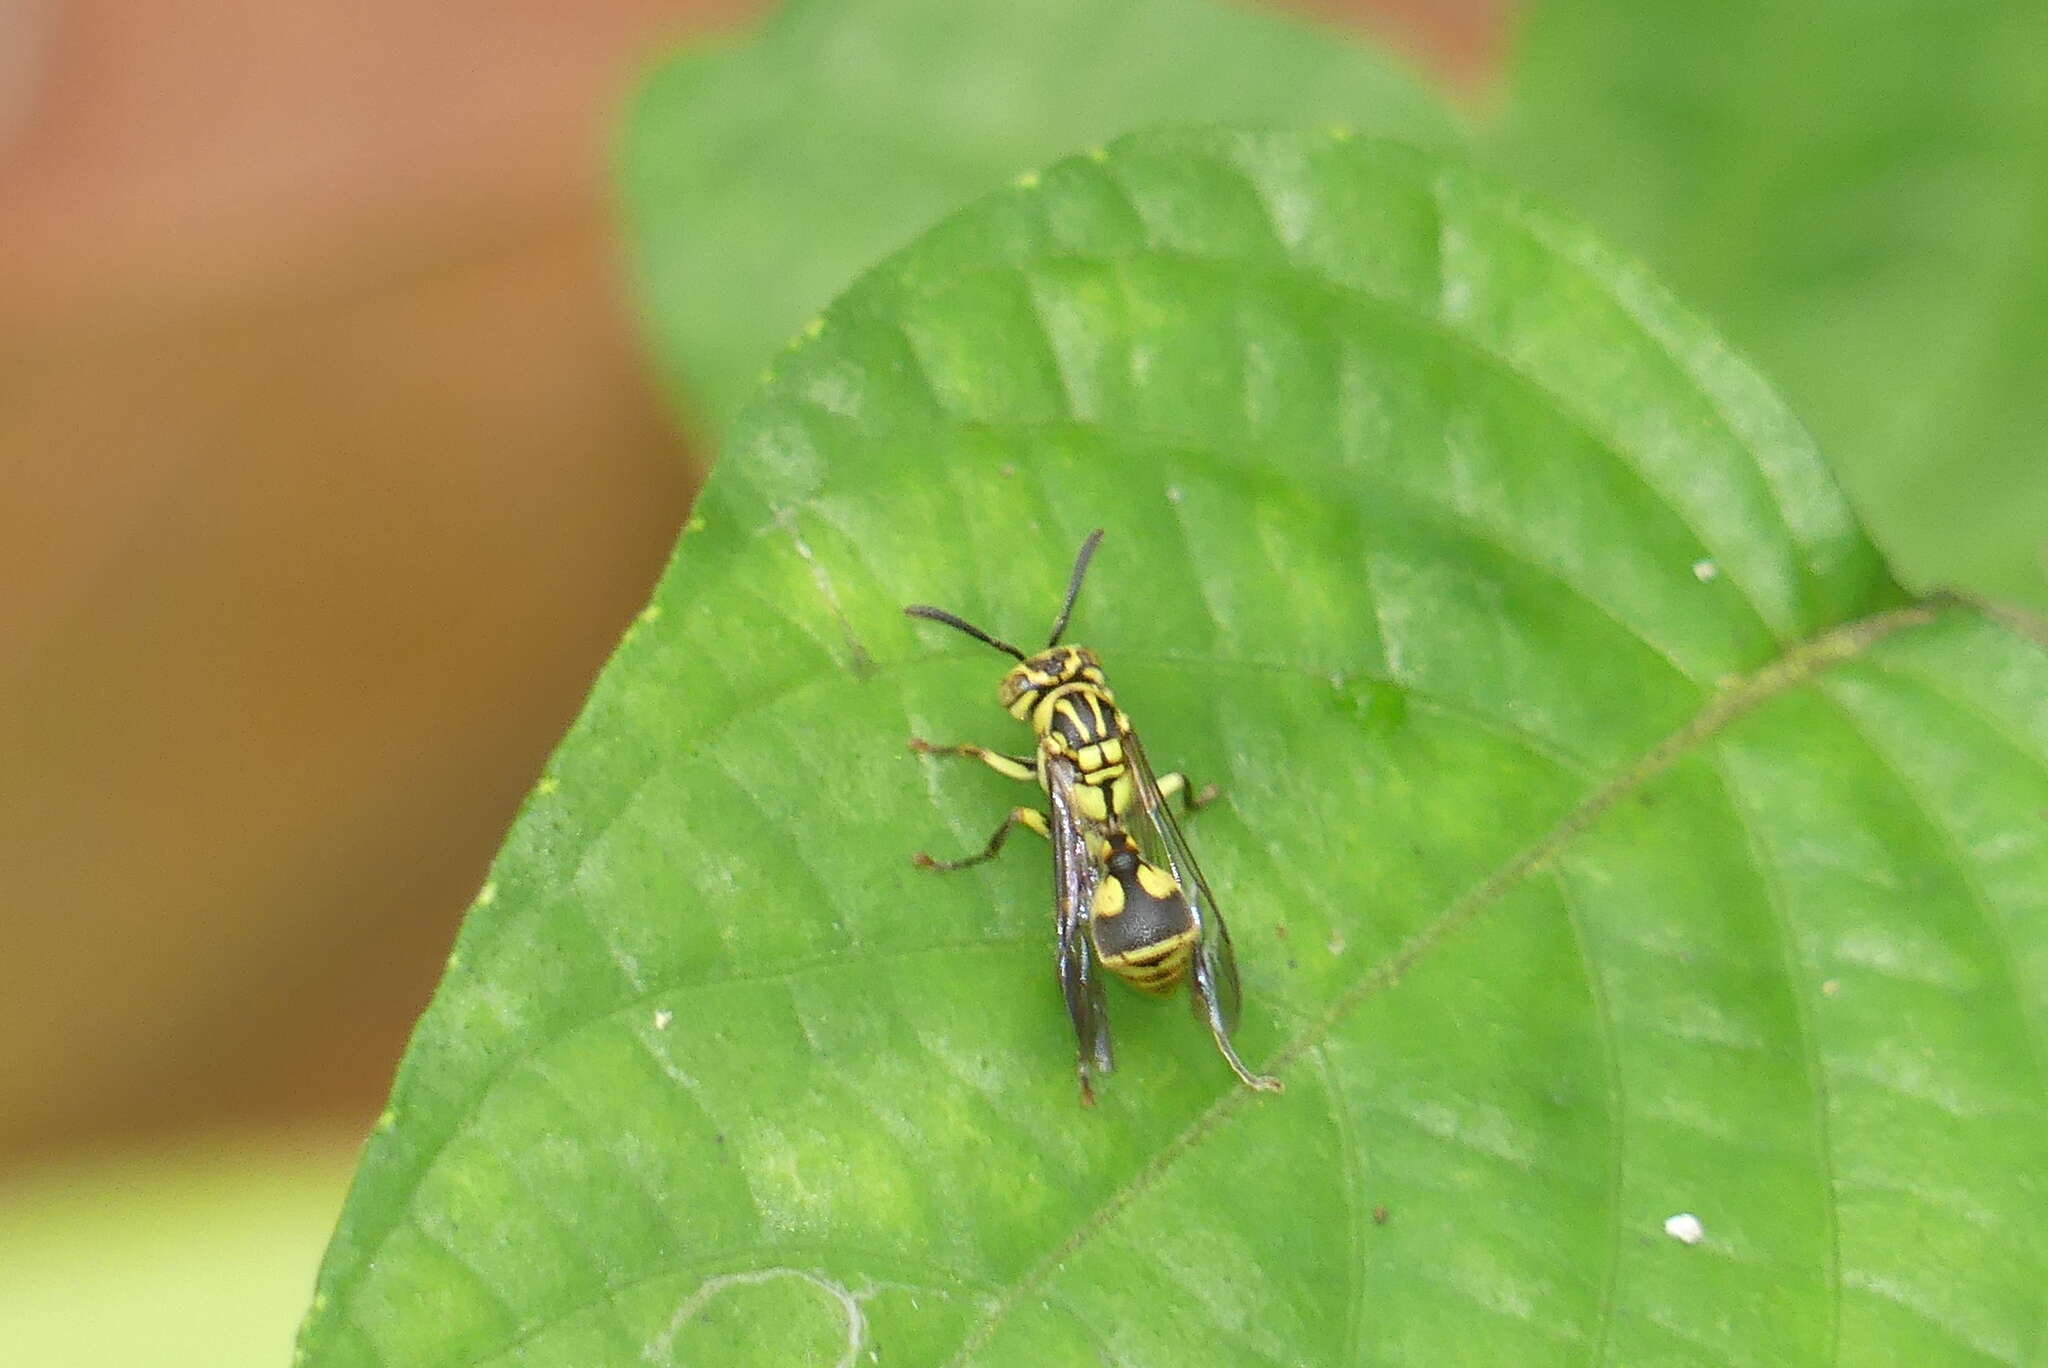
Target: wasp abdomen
[{"x": 1143, "y": 930}]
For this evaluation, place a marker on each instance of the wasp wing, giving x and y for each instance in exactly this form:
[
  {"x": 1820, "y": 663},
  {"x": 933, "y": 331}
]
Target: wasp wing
[
  {"x": 1217, "y": 995},
  {"x": 1074, "y": 876}
]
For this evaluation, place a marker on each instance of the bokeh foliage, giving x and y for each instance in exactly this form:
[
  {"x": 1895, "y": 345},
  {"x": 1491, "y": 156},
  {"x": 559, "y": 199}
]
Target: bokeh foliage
[{"x": 1858, "y": 194}]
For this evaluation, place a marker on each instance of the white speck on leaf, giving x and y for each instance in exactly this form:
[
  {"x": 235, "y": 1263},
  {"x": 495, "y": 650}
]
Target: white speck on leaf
[
  {"x": 662, "y": 1018},
  {"x": 1685, "y": 1228},
  {"x": 1704, "y": 570},
  {"x": 1830, "y": 987}
]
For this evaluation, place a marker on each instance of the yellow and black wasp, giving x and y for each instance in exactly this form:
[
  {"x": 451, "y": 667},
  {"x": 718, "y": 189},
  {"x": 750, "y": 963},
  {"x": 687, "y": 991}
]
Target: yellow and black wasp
[{"x": 1127, "y": 893}]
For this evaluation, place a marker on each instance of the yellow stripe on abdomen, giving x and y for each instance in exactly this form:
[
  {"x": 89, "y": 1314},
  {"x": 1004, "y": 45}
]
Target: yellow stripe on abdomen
[{"x": 1155, "y": 968}]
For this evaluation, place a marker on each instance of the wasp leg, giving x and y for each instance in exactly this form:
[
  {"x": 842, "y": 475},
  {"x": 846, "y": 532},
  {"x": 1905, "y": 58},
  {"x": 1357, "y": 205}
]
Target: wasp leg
[
  {"x": 1202, "y": 984},
  {"x": 1256, "y": 1082},
  {"x": 1023, "y": 767},
  {"x": 1023, "y": 816},
  {"x": 1191, "y": 800}
]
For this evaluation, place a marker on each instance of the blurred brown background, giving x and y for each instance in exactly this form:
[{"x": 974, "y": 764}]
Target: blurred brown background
[{"x": 332, "y": 474}]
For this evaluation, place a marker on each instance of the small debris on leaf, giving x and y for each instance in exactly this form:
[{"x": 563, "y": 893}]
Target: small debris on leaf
[{"x": 1685, "y": 1228}]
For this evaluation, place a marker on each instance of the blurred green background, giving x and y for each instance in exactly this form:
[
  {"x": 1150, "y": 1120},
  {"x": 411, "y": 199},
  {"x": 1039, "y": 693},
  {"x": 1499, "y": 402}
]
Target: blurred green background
[{"x": 335, "y": 469}]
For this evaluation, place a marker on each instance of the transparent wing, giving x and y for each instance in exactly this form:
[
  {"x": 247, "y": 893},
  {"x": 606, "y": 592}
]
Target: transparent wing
[
  {"x": 1217, "y": 996},
  {"x": 1074, "y": 875}
]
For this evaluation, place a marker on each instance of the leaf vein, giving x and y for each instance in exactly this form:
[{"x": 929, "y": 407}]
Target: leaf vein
[
  {"x": 1603, "y": 1017},
  {"x": 1798, "y": 975}
]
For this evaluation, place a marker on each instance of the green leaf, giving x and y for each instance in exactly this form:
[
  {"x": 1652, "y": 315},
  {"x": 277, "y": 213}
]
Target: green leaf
[
  {"x": 1603, "y": 834},
  {"x": 759, "y": 181},
  {"x": 1858, "y": 193}
]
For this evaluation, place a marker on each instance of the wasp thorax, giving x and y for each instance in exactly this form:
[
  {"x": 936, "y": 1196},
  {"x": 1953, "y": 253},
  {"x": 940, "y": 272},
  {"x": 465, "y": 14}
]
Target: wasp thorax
[{"x": 1035, "y": 676}]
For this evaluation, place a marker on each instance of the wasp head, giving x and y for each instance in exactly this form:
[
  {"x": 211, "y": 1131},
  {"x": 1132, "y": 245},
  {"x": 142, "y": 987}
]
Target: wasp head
[{"x": 1033, "y": 677}]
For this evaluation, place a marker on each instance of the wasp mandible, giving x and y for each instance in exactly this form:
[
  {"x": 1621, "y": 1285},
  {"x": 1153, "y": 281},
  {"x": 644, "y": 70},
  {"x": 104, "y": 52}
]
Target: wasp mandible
[{"x": 1127, "y": 893}]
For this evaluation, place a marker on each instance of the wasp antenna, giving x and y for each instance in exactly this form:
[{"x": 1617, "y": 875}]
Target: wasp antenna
[
  {"x": 1059, "y": 628},
  {"x": 925, "y": 610}
]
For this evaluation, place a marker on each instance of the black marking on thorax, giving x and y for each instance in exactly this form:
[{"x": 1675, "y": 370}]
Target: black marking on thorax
[{"x": 1081, "y": 716}]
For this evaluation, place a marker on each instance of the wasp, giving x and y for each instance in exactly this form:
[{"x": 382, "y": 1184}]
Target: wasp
[{"x": 1128, "y": 896}]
